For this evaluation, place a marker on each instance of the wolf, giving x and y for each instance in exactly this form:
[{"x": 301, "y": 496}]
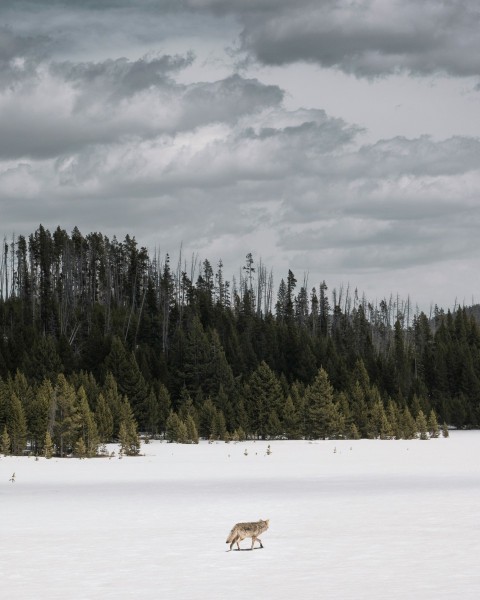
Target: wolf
[{"x": 240, "y": 531}]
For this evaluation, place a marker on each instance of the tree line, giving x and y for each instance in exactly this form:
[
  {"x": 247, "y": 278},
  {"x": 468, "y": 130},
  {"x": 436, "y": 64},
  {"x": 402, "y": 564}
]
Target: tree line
[{"x": 192, "y": 354}]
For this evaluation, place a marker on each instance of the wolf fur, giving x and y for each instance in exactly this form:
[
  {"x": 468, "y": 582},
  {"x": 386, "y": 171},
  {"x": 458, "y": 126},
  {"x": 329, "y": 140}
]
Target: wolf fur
[{"x": 240, "y": 531}]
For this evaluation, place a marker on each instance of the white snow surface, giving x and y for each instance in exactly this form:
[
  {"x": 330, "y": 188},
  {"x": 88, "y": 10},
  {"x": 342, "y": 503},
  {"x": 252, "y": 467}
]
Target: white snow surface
[{"x": 348, "y": 519}]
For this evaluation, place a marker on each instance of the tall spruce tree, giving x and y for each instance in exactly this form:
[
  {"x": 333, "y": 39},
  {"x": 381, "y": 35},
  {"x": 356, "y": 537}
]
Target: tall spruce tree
[
  {"x": 104, "y": 420},
  {"x": 16, "y": 424},
  {"x": 65, "y": 418},
  {"x": 320, "y": 409},
  {"x": 5, "y": 442},
  {"x": 87, "y": 427},
  {"x": 129, "y": 378}
]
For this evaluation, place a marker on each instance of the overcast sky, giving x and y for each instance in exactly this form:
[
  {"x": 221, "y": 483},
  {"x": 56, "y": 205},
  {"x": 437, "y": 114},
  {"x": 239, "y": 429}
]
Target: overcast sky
[{"x": 330, "y": 137}]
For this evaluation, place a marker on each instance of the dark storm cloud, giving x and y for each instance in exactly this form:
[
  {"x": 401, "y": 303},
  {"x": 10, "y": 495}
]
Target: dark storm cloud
[
  {"x": 121, "y": 78},
  {"x": 68, "y": 106},
  {"x": 20, "y": 55},
  {"x": 367, "y": 38},
  {"x": 15, "y": 45}
]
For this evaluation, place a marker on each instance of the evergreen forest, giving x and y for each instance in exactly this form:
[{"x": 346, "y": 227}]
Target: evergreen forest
[{"x": 101, "y": 341}]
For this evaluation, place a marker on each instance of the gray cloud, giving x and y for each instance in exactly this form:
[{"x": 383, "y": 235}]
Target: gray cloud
[
  {"x": 120, "y": 78},
  {"x": 367, "y": 38},
  {"x": 66, "y": 106},
  {"x": 19, "y": 56},
  {"x": 108, "y": 122}
]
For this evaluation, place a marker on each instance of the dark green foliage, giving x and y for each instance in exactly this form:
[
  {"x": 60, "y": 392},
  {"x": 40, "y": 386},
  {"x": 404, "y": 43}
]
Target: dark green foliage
[
  {"x": 291, "y": 420},
  {"x": 65, "y": 418},
  {"x": 173, "y": 432},
  {"x": 264, "y": 395},
  {"x": 87, "y": 312},
  {"x": 87, "y": 427},
  {"x": 422, "y": 426},
  {"x": 104, "y": 420},
  {"x": 192, "y": 433},
  {"x": 42, "y": 360},
  {"x": 321, "y": 411},
  {"x": 48, "y": 446},
  {"x": 129, "y": 378},
  {"x": 5, "y": 442},
  {"x": 128, "y": 430},
  {"x": 38, "y": 412},
  {"x": 432, "y": 424},
  {"x": 16, "y": 423}
]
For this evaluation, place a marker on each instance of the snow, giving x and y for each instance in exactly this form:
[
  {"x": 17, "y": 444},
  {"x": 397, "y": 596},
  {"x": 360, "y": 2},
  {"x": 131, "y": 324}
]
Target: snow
[{"x": 348, "y": 519}]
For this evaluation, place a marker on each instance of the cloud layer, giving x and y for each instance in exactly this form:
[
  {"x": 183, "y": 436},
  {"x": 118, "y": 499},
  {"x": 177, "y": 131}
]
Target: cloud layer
[{"x": 117, "y": 139}]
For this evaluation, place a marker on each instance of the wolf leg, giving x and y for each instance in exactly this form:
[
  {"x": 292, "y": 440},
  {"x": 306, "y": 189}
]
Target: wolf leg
[
  {"x": 235, "y": 540},
  {"x": 256, "y": 539}
]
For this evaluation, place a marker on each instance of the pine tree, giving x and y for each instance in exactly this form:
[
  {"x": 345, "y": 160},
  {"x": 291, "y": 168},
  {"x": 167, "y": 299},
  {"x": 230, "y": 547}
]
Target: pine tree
[
  {"x": 152, "y": 413},
  {"x": 206, "y": 418},
  {"x": 113, "y": 399},
  {"x": 422, "y": 428},
  {"x": 87, "y": 427},
  {"x": 164, "y": 405},
  {"x": 48, "y": 447},
  {"x": 219, "y": 372},
  {"x": 182, "y": 437},
  {"x": 17, "y": 425},
  {"x": 359, "y": 409},
  {"x": 409, "y": 427},
  {"x": 219, "y": 427},
  {"x": 123, "y": 438},
  {"x": 128, "y": 377},
  {"x": 134, "y": 438},
  {"x": 241, "y": 417},
  {"x": 192, "y": 433},
  {"x": 80, "y": 448},
  {"x": 128, "y": 430},
  {"x": 223, "y": 403},
  {"x": 197, "y": 356},
  {"x": 353, "y": 433},
  {"x": 445, "y": 430},
  {"x": 239, "y": 435},
  {"x": 291, "y": 420},
  {"x": 344, "y": 412},
  {"x": 42, "y": 360},
  {"x": 172, "y": 432},
  {"x": 104, "y": 420},
  {"x": 393, "y": 418},
  {"x": 321, "y": 411},
  {"x": 186, "y": 406},
  {"x": 38, "y": 413},
  {"x": 386, "y": 430},
  {"x": 377, "y": 416},
  {"x": 5, "y": 442},
  {"x": 432, "y": 425},
  {"x": 338, "y": 426},
  {"x": 274, "y": 427},
  {"x": 65, "y": 416},
  {"x": 264, "y": 394}
]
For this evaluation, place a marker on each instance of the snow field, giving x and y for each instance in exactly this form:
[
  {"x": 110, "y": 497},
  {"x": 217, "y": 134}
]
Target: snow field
[{"x": 348, "y": 519}]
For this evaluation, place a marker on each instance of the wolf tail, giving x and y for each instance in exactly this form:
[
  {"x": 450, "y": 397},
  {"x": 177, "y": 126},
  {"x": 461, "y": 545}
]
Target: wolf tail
[{"x": 231, "y": 535}]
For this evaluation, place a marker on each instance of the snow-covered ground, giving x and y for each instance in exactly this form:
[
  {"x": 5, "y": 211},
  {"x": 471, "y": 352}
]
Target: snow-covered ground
[{"x": 348, "y": 519}]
